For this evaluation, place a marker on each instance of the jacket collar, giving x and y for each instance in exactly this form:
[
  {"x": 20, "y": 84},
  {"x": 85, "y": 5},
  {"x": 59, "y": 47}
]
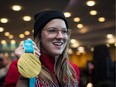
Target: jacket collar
[{"x": 47, "y": 61}]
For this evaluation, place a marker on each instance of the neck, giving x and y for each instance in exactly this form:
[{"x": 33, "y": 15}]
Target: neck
[{"x": 48, "y": 54}]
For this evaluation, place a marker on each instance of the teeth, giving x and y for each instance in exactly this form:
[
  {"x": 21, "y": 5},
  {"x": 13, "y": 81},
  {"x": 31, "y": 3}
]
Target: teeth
[{"x": 58, "y": 43}]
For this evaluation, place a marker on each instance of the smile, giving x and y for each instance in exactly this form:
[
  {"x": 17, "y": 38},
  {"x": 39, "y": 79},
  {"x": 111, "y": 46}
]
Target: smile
[{"x": 58, "y": 43}]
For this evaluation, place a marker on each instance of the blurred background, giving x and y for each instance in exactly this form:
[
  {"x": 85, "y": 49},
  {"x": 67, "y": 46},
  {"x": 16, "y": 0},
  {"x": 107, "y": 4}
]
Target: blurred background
[{"x": 93, "y": 39}]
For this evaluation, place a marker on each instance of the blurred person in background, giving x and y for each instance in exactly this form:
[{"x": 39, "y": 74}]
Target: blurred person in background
[
  {"x": 103, "y": 73},
  {"x": 6, "y": 61},
  {"x": 51, "y": 37}
]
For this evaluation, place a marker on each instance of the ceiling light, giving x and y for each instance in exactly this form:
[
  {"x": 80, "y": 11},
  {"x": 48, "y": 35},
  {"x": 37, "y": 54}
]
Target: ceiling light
[
  {"x": 1, "y": 29},
  {"x": 11, "y": 37},
  {"x": 109, "y": 36},
  {"x": 26, "y": 18},
  {"x": 3, "y": 42},
  {"x": 13, "y": 42},
  {"x": 89, "y": 85},
  {"x": 83, "y": 30},
  {"x": 21, "y": 35},
  {"x": 74, "y": 43},
  {"x": 67, "y": 14},
  {"x": 6, "y": 33},
  {"x": 16, "y": 7},
  {"x": 81, "y": 49},
  {"x": 90, "y": 3},
  {"x": 3, "y": 20},
  {"x": 111, "y": 40},
  {"x": 93, "y": 12},
  {"x": 76, "y": 19},
  {"x": 73, "y": 40},
  {"x": 101, "y": 19},
  {"x": 27, "y": 32},
  {"x": 79, "y": 26}
]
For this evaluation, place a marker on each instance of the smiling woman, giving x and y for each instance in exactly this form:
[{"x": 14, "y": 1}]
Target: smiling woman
[
  {"x": 51, "y": 44},
  {"x": 53, "y": 38}
]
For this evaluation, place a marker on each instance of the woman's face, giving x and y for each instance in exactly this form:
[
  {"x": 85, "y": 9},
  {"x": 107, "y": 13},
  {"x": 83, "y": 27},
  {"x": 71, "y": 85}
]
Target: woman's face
[{"x": 54, "y": 37}]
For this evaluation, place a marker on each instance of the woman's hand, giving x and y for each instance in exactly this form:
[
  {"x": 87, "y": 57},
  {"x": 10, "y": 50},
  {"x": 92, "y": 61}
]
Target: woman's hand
[
  {"x": 20, "y": 50},
  {"x": 36, "y": 50}
]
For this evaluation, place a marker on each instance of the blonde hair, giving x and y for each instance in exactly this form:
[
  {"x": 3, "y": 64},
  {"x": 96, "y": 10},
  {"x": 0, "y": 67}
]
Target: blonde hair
[{"x": 63, "y": 70}]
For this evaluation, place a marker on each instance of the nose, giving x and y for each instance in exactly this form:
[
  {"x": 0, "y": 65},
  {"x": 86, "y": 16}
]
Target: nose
[{"x": 60, "y": 35}]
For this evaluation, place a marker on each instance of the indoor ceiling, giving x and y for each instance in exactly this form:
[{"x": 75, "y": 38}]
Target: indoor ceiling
[{"x": 93, "y": 32}]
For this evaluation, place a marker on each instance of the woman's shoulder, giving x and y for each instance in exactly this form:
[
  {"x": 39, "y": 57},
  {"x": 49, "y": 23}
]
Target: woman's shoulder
[
  {"x": 12, "y": 75},
  {"x": 14, "y": 61},
  {"x": 74, "y": 66},
  {"x": 13, "y": 66}
]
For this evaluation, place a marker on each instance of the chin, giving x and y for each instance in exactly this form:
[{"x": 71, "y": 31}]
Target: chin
[{"x": 57, "y": 53}]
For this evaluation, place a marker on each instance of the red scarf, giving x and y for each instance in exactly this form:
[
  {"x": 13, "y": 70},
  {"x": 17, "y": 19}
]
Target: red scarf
[{"x": 48, "y": 62}]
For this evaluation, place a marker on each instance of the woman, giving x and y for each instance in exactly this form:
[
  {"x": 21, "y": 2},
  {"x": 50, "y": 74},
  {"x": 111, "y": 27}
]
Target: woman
[{"x": 51, "y": 37}]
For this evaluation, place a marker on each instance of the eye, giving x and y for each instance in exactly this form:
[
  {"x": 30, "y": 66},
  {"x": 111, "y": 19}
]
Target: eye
[
  {"x": 52, "y": 30},
  {"x": 64, "y": 31}
]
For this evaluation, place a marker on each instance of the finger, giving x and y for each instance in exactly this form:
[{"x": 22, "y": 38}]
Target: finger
[
  {"x": 36, "y": 48},
  {"x": 37, "y": 53},
  {"x": 18, "y": 52},
  {"x": 34, "y": 44},
  {"x": 21, "y": 44},
  {"x": 20, "y": 48}
]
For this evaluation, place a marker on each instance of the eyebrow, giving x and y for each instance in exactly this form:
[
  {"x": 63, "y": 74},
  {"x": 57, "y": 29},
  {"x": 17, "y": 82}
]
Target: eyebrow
[{"x": 57, "y": 28}]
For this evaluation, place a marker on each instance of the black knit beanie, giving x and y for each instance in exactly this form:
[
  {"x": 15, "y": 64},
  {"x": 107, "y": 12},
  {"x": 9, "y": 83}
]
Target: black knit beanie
[{"x": 43, "y": 17}]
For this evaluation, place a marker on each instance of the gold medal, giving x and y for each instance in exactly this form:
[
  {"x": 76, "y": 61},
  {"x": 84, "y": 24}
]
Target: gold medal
[{"x": 29, "y": 65}]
